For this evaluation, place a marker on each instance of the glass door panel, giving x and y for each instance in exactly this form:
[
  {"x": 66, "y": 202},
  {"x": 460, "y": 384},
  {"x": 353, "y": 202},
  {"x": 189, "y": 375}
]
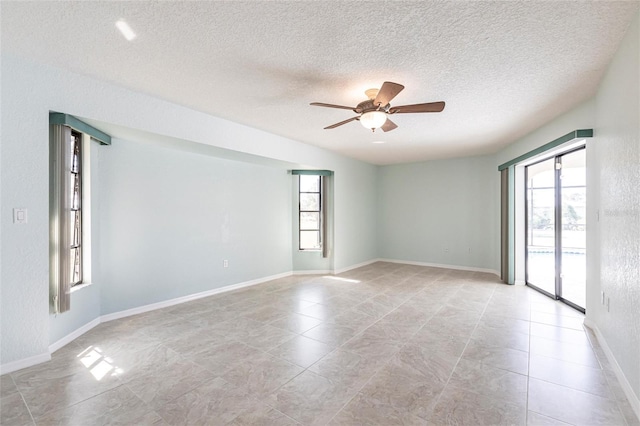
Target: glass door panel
[
  {"x": 541, "y": 230},
  {"x": 573, "y": 227}
]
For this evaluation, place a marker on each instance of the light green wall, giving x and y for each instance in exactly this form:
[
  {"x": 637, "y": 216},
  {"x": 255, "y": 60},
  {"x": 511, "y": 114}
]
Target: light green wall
[
  {"x": 439, "y": 212},
  {"x": 355, "y": 215},
  {"x": 169, "y": 218}
]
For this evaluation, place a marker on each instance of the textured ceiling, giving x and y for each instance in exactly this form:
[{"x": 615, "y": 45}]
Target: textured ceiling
[{"x": 503, "y": 68}]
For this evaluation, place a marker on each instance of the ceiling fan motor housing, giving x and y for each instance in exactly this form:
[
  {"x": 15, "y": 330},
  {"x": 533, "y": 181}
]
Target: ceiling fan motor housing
[{"x": 368, "y": 105}]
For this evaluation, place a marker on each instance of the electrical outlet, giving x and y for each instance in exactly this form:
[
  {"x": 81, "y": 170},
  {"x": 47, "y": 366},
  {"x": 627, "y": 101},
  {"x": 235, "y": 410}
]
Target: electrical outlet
[
  {"x": 225, "y": 263},
  {"x": 446, "y": 249}
]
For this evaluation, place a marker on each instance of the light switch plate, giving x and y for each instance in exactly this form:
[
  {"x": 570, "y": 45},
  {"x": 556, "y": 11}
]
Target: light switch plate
[{"x": 20, "y": 216}]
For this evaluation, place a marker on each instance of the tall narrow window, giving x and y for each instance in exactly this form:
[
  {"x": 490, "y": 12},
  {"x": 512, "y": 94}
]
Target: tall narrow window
[
  {"x": 69, "y": 205},
  {"x": 75, "y": 257},
  {"x": 66, "y": 214},
  {"x": 310, "y": 209}
]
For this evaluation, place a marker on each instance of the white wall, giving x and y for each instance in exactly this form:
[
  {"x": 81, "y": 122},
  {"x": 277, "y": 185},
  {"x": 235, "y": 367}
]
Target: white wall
[
  {"x": 617, "y": 149},
  {"x": 24, "y": 306},
  {"x": 440, "y": 212},
  {"x": 30, "y": 91}
]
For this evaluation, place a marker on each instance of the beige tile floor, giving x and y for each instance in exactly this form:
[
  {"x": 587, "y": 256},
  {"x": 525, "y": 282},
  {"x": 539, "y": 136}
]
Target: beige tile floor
[{"x": 384, "y": 344}]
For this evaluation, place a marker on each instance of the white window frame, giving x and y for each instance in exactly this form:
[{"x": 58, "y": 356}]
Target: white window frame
[
  {"x": 319, "y": 211},
  {"x": 62, "y": 240}
]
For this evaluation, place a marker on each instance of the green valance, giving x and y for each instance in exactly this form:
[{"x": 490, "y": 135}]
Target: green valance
[
  {"x": 312, "y": 172},
  {"x": 74, "y": 123},
  {"x": 576, "y": 134}
]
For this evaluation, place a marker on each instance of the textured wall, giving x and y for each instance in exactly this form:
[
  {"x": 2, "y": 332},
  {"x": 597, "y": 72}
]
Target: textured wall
[
  {"x": 439, "y": 212},
  {"x": 24, "y": 306},
  {"x": 618, "y": 150}
]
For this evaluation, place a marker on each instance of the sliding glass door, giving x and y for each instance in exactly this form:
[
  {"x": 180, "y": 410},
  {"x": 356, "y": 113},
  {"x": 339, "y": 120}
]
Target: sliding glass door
[
  {"x": 573, "y": 203},
  {"x": 556, "y": 225},
  {"x": 541, "y": 229}
]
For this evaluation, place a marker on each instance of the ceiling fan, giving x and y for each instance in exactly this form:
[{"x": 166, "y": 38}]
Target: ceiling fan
[{"x": 375, "y": 110}]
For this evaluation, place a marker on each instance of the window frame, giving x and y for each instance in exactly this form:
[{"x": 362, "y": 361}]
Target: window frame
[
  {"x": 65, "y": 134},
  {"x": 319, "y": 212},
  {"x": 77, "y": 224}
]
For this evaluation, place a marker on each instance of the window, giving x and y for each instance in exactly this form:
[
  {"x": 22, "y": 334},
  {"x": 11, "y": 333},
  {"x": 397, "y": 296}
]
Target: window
[
  {"x": 310, "y": 212},
  {"x": 66, "y": 228},
  {"x": 69, "y": 205},
  {"x": 75, "y": 219}
]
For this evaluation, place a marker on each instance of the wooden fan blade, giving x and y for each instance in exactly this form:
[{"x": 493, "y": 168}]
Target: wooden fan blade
[
  {"x": 429, "y": 107},
  {"x": 388, "y": 126},
  {"x": 333, "y": 126},
  {"x": 387, "y": 92},
  {"x": 332, "y": 106}
]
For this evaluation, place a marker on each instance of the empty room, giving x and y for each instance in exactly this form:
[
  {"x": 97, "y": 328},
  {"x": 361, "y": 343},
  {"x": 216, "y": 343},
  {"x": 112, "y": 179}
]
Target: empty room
[{"x": 320, "y": 213}]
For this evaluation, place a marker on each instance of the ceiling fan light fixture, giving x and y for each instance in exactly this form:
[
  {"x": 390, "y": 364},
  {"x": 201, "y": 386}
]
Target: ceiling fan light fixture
[{"x": 373, "y": 119}]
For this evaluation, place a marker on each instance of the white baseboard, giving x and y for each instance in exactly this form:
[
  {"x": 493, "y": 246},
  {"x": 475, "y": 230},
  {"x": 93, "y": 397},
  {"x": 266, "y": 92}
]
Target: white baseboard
[
  {"x": 188, "y": 298},
  {"x": 358, "y": 265},
  {"x": 314, "y": 272},
  {"x": 10, "y": 367},
  {"x": 440, "y": 265},
  {"x": 336, "y": 271},
  {"x": 73, "y": 335},
  {"x": 626, "y": 386}
]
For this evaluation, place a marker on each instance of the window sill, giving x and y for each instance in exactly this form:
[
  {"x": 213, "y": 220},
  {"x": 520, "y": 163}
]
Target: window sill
[
  {"x": 310, "y": 250},
  {"x": 80, "y": 287}
]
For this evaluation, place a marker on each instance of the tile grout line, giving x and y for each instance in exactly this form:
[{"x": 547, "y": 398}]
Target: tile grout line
[
  {"x": 461, "y": 353},
  {"x": 384, "y": 364},
  {"x": 24, "y": 401},
  {"x": 326, "y": 355},
  {"x": 526, "y": 417},
  {"x": 391, "y": 357}
]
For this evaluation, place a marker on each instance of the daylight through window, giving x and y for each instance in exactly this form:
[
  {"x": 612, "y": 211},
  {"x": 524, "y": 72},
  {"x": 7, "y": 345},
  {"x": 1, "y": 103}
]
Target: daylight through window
[
  {"x": 75, "y": 257},
  {"x": 310, "y": 208}
]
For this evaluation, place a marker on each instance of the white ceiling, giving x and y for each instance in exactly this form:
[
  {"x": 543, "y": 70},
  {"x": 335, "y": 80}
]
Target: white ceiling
[{"x": 503, "y": 68}]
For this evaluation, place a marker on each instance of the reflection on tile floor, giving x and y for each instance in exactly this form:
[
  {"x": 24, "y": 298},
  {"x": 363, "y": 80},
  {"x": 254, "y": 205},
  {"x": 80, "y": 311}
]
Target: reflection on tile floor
[{"x": 383, "y": 344}]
